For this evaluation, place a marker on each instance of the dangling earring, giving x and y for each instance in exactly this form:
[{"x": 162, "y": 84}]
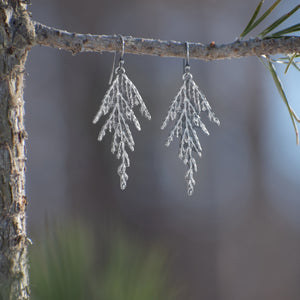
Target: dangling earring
[
  {"x": 186, "y": 109},
  {"x": 120, "y": 99}
]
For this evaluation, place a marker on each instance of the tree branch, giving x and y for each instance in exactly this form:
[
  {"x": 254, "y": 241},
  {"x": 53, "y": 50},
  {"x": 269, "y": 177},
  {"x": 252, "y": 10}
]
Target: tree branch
[{"x": 75, "y": 42}]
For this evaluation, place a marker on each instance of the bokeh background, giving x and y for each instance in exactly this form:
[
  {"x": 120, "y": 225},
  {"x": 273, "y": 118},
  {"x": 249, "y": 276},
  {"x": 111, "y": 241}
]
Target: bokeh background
[{"x": 238, "y": 236}]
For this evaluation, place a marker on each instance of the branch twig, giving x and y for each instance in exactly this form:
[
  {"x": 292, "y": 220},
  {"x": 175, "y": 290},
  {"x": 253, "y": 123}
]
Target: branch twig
[{"x": 76, "y": 43}]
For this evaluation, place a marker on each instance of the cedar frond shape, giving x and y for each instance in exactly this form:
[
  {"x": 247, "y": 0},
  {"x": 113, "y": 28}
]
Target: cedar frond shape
[
  {"x": 186, "y": 109},
  {"x": 119, "y": 100}
]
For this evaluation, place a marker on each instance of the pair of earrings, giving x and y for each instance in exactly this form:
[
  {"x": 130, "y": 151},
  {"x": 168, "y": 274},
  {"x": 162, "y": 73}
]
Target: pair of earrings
[{"x": 120, "y": 100}]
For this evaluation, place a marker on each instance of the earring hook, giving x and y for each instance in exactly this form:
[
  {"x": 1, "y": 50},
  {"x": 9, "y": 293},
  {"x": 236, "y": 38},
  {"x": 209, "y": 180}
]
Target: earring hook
[
  {"x": 121, "y": 58},
  {"x": 123, "y": 46},
  {"x": 186, "y": 60}
]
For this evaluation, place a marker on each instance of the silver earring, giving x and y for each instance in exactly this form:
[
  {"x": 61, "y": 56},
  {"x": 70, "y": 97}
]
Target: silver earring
[
  {"x": 185, "y": 110},
  {"x": 120, "y": 99}
]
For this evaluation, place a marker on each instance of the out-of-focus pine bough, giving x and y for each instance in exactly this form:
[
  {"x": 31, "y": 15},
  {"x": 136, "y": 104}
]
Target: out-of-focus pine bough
[{"x": 268, "y": 62}]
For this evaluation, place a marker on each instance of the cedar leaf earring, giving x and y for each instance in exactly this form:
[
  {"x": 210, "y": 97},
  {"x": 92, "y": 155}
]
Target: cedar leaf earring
[
  {"x": 185, "y": 109},
  {"x": 120, "y": 99}
]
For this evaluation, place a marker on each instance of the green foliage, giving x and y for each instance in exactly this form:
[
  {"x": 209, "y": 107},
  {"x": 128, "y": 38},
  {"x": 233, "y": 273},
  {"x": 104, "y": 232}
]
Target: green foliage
[
  {"x": 288, "y": 60},
  {"x": 270, "y": 66},
  {"x": 249, "y": 26},
  {"x": 281, "y": 33},
  {"x": 278, "y": 22},
  {"x": 61, "y": 264},
  {"x": 252, "y": 23},
  {"x": 131, "y": 273},
  {"x": 291, "y": 62},
  {"x": 66, "y": 266}
]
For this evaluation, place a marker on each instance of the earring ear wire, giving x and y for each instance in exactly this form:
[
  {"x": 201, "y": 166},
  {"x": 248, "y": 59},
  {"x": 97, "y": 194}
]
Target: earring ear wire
[
  {"x": 186, "y": 60},
  {"x": 123, "y": 47},
  {"x": 121, "y": 62},
  {"x": 112, "y": 70}
]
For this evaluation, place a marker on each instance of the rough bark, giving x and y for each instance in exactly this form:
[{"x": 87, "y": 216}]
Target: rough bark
[
  {"x": 16, "y": 36},
  {"x": 75, "y": 42}
]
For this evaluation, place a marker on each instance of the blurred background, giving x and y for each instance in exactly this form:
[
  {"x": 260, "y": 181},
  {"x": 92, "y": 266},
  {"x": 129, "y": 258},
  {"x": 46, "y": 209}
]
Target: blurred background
[{"x": 236, "y": 238}]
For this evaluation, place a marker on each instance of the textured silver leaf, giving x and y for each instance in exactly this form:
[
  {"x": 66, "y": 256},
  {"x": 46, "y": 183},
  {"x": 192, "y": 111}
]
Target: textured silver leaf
[
  {"x": 185, "y": 109},
  {"x": 120, "y": 99}
]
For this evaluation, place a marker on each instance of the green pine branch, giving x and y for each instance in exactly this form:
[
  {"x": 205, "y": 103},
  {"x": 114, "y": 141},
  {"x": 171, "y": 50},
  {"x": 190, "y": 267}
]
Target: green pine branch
[{"x": 289, "y": 60}]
